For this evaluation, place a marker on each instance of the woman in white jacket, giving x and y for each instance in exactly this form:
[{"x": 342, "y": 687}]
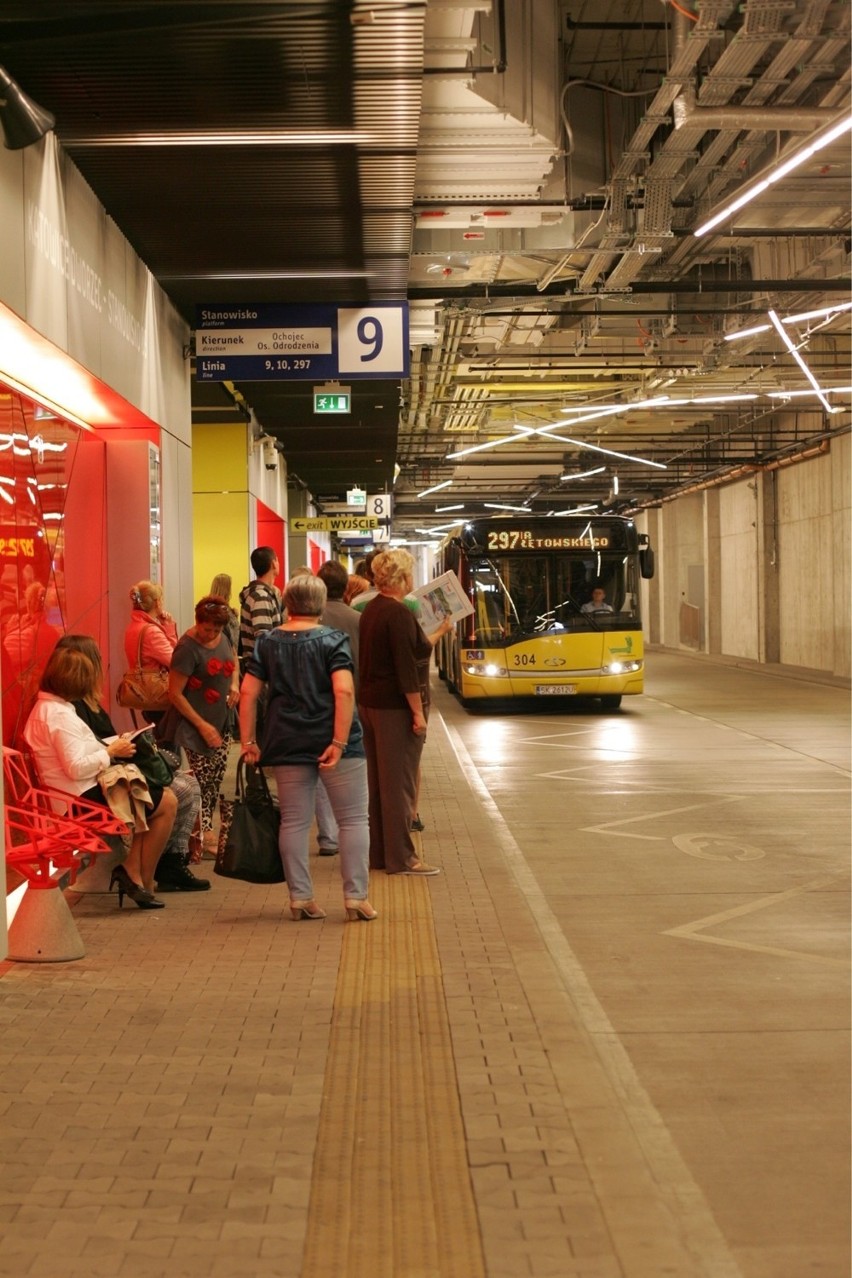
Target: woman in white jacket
[{"x": 70, "y": 757}]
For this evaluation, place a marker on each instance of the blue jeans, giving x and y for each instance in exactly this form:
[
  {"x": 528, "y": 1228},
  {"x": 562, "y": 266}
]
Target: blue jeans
[
  {"x": 327, "y": 832},
  {"x": 346, "y": 787}
]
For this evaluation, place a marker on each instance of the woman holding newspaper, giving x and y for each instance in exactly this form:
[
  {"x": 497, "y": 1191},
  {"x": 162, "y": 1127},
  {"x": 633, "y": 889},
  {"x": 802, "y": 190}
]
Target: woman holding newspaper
[{"x": 392, "y": 713}]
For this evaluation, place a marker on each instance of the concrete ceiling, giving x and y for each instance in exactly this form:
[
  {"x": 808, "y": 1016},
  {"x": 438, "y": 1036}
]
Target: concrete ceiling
[{"x": 531, "y": 174}]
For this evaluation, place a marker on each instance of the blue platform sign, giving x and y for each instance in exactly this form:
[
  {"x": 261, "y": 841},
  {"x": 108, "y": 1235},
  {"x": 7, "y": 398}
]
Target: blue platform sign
[{"x": 272, "y": 342}]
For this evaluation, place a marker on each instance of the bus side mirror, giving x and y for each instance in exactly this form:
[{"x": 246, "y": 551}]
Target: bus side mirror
[{"x": 646, "y": 562}]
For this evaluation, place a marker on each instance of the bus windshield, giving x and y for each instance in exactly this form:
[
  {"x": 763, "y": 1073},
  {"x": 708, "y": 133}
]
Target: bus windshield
[{"x": 517, "y": 595}]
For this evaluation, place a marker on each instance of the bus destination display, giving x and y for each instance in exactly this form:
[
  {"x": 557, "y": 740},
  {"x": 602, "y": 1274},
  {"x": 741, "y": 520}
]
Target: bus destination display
[{"x": 524, "y": 539}]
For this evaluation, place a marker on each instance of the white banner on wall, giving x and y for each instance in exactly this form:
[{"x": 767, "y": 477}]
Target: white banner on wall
[{"x": 83, "y": 286}]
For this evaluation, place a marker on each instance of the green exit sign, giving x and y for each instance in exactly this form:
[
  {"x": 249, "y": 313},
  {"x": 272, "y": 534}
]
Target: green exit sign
[{"x": 332, "y": 402}]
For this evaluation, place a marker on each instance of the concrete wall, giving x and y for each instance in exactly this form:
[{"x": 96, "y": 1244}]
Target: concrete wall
[{"x": 766, "y": 559}]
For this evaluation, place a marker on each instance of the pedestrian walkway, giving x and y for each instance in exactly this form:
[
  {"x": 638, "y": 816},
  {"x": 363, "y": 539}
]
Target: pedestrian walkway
[{"x": 216, "y": 1090}]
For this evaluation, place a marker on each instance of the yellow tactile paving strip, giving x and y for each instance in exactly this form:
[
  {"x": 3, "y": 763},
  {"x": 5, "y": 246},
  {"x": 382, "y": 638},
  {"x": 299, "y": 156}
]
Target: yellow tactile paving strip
[{"x": 391, "y": 1186}]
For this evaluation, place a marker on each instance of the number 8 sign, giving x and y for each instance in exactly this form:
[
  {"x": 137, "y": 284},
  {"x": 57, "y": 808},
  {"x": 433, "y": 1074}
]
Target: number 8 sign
[{"x": 373, "y": 340}]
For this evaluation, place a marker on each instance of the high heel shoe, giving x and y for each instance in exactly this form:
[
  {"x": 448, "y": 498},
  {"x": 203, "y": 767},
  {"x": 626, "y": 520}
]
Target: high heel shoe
[
  {"x": 128, "y": 887},
  {"x": 305, "y": 910},
  {"x": 360, "y": 910}
]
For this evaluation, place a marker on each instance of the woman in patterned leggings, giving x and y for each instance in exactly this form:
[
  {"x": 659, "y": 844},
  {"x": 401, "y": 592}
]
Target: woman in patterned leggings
[{"x": 203, "y": 687}]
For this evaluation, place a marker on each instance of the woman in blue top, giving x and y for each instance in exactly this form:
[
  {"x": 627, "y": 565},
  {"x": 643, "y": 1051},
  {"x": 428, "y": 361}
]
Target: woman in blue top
[{"x": 310, "y": 726}]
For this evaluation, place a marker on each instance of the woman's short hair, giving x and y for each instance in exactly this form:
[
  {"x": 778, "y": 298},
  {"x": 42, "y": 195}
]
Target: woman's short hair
[
  {"x": 221, "y": 585},
  {"x": 390, "y": 568},
  {"x": 69, "y": 674},
  {"x": 212, "y": 608},
  {"x": 335, "y": 577},
  {"x": 88, "y": 647},
  {"x": 354, "y": 587},
  {"x": 304, "y": 596},
  {"x": 145, "y": 595}
]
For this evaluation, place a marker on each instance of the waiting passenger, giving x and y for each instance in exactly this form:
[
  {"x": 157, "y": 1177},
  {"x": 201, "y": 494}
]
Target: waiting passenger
[
  {"x": 311, "y": 730},
  {"x": 393, "y": 714},
  {"x": 598, "y": 602},
  {"x": 172, "y": 873},
  {"x": 70, "y": 757},
  {"x": 203, "y": 689},
  {"x": 151, "y": 634}
]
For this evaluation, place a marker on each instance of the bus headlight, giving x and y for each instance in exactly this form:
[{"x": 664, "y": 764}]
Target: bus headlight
[
  {"x": 622, "y": 667},
  {"x": 488, "y": 669}
]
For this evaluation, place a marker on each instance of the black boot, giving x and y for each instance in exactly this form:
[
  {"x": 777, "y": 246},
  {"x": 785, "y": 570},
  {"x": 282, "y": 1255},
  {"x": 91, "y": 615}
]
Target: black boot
[{"x": 173, "y": 875}]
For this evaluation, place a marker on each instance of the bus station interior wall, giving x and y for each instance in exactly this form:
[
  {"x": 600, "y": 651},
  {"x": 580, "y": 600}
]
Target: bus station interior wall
[
  {"x": 68, "y": 272},
  {"x": 767, "y": 561},
  {"x": 234, "y": 497}
]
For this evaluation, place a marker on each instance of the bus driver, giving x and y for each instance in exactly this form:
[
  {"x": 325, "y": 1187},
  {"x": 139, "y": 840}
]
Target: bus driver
[{"x": 598, "y": 602}]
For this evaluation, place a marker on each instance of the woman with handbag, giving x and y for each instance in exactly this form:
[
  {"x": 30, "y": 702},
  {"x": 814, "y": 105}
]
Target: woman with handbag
[
  {"x": 311, "y": 729},
  {"x": 203, "y": 689},
  {"x": 70, "y": 757},
  {"x": 150, "y": 637},
  {"x": 172, "y": 873}
]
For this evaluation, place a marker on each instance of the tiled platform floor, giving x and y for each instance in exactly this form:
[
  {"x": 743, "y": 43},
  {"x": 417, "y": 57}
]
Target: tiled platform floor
[{"x": 610, "y": 1041}]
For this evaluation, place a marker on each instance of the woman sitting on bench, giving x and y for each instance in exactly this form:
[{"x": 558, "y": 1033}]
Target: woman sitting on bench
[{"x": 70, "y": 757}]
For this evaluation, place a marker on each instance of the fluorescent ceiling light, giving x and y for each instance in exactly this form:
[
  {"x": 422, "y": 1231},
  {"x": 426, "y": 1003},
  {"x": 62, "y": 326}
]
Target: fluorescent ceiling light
[
  {"x": 583, "y": 473},
  {"x": 596, "y": 448},
  {"x": 575, "y": 510},
  {"x": 798, "y": 158},
  {"x": 747, "y": 332},
  {"x": 607, "y": 410},
  {"x": 790, "y": 319},
  {"x": 478, "y": 448},
  {"x": 823, "y": 310},
  {"x": 435, "y": 488},
  {"x": 493, "y": 505},
  {"x": 802, "y": 365},
  {"x": 826, "y": 390},
  {"x": 265, "y": 137},
  {"x": 440, "y": 510}
]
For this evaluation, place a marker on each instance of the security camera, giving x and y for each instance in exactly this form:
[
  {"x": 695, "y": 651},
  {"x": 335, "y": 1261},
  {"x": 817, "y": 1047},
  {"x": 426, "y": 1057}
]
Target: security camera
[{"x": 270, "y": 454}]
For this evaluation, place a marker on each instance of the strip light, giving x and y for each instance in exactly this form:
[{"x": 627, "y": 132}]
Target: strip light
[
  {"x": 785, "y": 337},
  {"x": 798, "y": 158},
  {"x": 575, "y": 510},
  {"x": 608, "y": 410},
  {"x": 582, "y": 474},
  {"x": 790, "y": 319},
  {"x": 827, "y": 390},
  {"x": 440, "y": 510},
  {"x": 493, "y": 505},
  {"x": 596, "y": 448},
  {"x": 435, "y": 488}
]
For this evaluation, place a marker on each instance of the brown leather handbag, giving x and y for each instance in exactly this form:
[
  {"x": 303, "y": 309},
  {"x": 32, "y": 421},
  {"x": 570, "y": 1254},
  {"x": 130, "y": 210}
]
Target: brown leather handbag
[{"x": 144, "y": 689}]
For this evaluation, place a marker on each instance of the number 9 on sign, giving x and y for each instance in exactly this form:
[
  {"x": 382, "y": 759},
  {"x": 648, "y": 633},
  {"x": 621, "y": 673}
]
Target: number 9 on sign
[{"x": 372, "y": 341}]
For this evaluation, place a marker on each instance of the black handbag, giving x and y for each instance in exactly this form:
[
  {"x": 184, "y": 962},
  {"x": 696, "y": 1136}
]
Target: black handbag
[
  {"x": 153, "y": 762},
  {"x": 251, "y": 851}
]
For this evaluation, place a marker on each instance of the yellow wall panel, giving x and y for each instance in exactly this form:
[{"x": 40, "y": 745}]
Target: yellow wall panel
[
  {"x": 219, "y": 457},
  {"x": 221, "y": 528}
]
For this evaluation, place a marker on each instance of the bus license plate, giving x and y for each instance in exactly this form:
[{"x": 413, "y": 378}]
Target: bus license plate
[{"x": 555, "y": 689}]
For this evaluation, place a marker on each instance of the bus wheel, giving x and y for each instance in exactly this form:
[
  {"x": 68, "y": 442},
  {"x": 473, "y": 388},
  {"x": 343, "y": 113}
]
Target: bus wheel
[{"x": 610, "y": 703}]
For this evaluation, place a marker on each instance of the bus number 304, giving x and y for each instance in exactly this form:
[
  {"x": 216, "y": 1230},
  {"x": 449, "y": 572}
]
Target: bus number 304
[{"x": 524, "y": 659}]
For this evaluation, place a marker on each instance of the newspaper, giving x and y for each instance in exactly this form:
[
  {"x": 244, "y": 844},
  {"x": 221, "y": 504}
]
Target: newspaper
[{"x": 441, "y": 598}]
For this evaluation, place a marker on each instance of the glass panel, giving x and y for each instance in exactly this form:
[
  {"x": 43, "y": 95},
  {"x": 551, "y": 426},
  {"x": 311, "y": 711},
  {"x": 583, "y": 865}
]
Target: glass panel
[
  {"x": 517, "y": 595},
  {"x": 37, "y": 454}
]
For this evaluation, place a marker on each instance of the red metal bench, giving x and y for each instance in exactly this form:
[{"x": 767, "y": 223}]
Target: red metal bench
[{"x": 50, "y": 837}]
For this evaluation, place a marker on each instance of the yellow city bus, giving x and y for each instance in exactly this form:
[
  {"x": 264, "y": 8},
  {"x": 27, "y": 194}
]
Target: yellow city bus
[{"x": 556, "y": 608}]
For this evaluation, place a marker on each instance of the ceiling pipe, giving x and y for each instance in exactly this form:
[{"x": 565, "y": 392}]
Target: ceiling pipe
[
  {"x": 688, "y": 114},
  {"x": 512, "y": 288}
]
